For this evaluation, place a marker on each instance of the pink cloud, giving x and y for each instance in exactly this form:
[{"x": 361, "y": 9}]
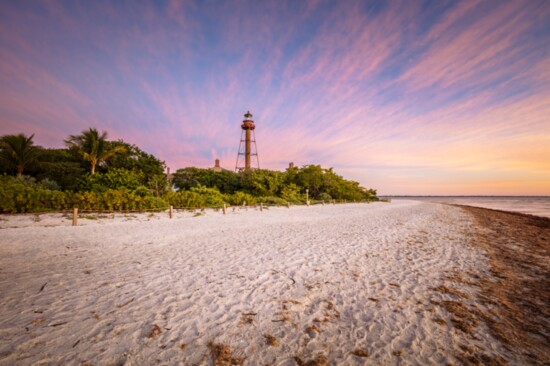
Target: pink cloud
[
  {"x": 483, "y": 52},
  {"x": 370, "y": 92}
]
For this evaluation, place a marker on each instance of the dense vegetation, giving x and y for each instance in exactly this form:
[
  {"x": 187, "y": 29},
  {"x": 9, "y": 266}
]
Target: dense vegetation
[
  {"x": 275, "y": 186},
  {"x": 93, "y": 173}
]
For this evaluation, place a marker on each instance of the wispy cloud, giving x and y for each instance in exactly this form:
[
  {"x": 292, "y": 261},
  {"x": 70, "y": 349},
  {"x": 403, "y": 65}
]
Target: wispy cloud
[{"x": 409, "y": 98}]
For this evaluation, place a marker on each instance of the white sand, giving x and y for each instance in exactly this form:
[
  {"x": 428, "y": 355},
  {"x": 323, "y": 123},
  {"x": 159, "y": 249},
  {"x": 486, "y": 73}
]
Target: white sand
[{"x": 362, "y": 274}]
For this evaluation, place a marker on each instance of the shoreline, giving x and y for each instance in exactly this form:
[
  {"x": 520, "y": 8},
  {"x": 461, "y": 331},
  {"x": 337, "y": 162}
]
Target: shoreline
[
  {"x": 530, "y": 205},
  {"x": 496, "y": 210},
  {"x": 358, "y": 284}
]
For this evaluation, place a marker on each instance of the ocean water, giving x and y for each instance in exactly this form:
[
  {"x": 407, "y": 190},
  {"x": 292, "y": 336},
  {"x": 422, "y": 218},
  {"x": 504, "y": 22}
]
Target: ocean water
[{"x": 539, "y": 206}]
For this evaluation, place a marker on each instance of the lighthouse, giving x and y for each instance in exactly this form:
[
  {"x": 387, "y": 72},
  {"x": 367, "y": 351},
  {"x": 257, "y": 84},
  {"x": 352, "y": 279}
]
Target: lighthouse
[{"x": 248, "y": 151}]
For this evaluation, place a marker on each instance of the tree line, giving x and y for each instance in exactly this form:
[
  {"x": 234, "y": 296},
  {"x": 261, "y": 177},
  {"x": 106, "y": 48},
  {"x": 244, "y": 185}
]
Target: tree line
[{"x": 94, "y": 173}]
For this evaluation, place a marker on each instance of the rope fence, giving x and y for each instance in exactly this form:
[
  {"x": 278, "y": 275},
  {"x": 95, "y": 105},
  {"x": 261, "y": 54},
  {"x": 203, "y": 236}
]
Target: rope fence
[{"x": 76, "y": 213}]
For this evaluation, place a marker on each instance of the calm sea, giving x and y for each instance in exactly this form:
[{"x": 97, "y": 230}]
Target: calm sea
[{"x": 539, "y": 206}]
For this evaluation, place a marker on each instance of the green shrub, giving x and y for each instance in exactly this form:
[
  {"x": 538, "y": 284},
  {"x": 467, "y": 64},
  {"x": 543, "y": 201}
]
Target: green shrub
[
  {"x": 325, "y": 197},
  {"x": 291, "y": 193},
  {"x": 238, "y": 198},
  {"x": 118, "y": 179},
  {"x": 24, "y": 195},
  {"x": 212, "y": 196},
  {"x": 143, "y": 191},
  {"x": 52, "y": 185},
  {"x": 184, "y": 199},
  {"x": 117, "y": 200}
]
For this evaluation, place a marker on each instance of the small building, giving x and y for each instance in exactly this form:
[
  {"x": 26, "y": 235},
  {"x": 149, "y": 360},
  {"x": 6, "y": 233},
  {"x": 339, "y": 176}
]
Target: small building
[{"x": 217, "y": 168}]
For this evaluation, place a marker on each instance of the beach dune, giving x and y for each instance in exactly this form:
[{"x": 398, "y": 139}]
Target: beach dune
[{"x": 384, "y": 283}]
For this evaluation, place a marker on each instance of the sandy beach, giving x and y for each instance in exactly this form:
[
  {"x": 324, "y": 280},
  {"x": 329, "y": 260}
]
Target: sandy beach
[{"x": 402, "y": 283}]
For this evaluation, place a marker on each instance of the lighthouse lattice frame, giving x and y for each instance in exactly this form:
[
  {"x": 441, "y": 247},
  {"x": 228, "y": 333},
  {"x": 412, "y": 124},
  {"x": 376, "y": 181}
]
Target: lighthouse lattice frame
[{"x": 248, "y": 151}]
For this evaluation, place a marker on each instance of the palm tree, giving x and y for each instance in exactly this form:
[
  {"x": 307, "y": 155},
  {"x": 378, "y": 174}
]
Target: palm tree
[
  {"x": 93, "y": 147},
  {"x": 18, "y": 151}
]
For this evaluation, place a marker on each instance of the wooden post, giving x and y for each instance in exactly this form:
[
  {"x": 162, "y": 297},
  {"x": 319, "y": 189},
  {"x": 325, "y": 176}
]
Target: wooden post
[
  {"x": 261, "y": 207},
  {"x": 307, "y": 203},
  {"x": 333, "y": 202},
  {"x": 288, "y": 204},
  {"x": 171, "y": 211},
  {"x": 224, "y": 208},
  {"x": 323, "y": 201},
  {"x": 75, "y": 216}
]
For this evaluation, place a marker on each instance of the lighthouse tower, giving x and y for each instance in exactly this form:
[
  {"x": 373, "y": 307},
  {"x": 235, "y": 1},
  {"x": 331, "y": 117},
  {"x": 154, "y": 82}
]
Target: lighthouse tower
[{"x": 247, "y": 146}]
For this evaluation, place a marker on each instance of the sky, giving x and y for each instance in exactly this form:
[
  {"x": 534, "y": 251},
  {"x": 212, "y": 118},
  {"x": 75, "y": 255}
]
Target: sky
[{"x": 407, "y": 97}]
